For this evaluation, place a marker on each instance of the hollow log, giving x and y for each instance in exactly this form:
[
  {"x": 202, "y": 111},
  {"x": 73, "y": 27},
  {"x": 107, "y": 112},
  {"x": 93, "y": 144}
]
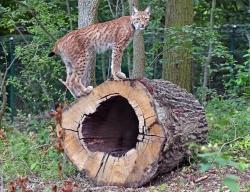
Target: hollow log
[{"x": 127, "y": 132}]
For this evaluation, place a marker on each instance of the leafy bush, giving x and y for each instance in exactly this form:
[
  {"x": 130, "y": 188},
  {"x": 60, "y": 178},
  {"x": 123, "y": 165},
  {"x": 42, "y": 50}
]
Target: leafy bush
[{"x": 239, "y": 84}]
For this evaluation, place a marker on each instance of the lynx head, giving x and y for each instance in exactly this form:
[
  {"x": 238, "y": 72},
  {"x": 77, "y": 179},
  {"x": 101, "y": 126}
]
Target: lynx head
[{"x": 140, "y": 19}]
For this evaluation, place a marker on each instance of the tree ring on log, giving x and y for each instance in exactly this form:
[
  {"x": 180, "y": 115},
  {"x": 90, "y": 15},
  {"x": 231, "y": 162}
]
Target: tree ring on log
[{"x": 126, "y": 132}]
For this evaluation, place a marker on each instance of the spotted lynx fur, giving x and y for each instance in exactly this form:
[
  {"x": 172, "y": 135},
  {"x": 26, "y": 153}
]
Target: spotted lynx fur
[{"x": 76, "y": 47}]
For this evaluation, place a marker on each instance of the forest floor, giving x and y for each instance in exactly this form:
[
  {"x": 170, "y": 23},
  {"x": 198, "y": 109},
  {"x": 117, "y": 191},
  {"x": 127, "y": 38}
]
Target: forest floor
[{"x": 186, "y": 179}]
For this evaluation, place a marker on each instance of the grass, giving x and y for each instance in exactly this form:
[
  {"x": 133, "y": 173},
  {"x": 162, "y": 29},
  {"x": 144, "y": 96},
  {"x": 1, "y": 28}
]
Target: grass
[
  {"x": 229, "y": 126},
  {"x": 227, "y": 119},
  {"x": 23, "y": 155}
]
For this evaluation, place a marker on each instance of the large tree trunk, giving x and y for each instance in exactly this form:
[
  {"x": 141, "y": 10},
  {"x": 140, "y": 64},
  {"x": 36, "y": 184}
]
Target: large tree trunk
[
  {"x": 126, "y": 132},
  {"x": 177, "y": 63},
  {"x": 87, "y": 15},
  {"x": 138, "y": 49}
]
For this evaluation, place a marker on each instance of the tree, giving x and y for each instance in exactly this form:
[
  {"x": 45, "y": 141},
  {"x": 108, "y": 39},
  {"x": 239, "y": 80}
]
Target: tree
[
  {"x": 87, "y": 15},
  {"x": 138, "y": 49},
  {"x": 209, "y": 55},
  {"x": 177, "y": 62}
]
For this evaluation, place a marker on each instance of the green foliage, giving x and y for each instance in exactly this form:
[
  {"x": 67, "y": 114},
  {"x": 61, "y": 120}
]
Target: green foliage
[
  {"x": 161, "y": 188},
  {"x": 231, "y": 181},
  {"x": 229, "y": 139},
  {"x": 211, "y": 157},
  {"x": 227, "y": 119},
  {"x": 37, "y": 77},
  {"x": 240, "y": 148},
  {"x": 26, "y": 156},
  {"x": 239, "y": 83}
]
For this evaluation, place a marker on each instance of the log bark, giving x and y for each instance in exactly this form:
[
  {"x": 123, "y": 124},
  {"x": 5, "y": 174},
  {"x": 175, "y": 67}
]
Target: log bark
[{"x": 127, "y": 132}]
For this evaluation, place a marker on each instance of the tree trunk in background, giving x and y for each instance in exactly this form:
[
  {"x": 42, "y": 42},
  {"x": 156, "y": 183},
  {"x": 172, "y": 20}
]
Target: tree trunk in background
[
  {"x": 103, "y": 62},
  {"x": 209, "y": 55},
  {"x": 69, "y": 14},
  {"x": 129, "y": 64},
  {"x": 87, "y": 14},
  {"x": 138, "y": 48},
  {"x": 177, "y": 66}
]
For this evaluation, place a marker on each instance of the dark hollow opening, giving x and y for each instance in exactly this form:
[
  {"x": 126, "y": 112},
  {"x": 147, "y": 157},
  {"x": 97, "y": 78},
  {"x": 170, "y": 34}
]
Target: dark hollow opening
[{"x": 113, "y": 128}]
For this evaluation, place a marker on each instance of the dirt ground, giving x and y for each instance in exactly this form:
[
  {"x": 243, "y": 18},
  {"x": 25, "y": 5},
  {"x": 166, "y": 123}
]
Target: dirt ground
[{"x": 184, "y": 180}]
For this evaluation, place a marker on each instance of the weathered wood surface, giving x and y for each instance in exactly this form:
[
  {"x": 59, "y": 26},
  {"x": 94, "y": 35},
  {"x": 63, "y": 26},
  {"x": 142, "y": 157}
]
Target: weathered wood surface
[{"x": 127, "y": 132}]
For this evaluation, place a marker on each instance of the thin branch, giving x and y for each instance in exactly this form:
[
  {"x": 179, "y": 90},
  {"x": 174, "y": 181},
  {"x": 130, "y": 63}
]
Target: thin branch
[
  {"x": 123, "y": 8},
  {"x": 158, "y": 55},
  {"x": 210, "y": 50},
  {"x": 3, "y": 84},
  {"x": 229, "y": 142},
  {"x": 4, "y": 101},
  {"x": 21, "y": 34},
  {"x": 7, "y": 68},
  {"x": 110, "y": 8},
  {"x": 69, "y": 14},
  {"x": 117, "y": 8}
]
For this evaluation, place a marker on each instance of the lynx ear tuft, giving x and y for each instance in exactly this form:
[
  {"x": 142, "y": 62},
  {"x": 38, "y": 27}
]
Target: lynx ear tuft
[
  {"x": 148, "y": 10},
  {"x": 134, "y": 10}
]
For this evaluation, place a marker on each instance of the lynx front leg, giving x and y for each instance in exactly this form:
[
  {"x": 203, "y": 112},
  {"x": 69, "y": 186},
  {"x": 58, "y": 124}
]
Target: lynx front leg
[
  {"x": 116, "y": 64},
  {"x": 70, "y": 78},
  {"x": 84, "y": 90}
]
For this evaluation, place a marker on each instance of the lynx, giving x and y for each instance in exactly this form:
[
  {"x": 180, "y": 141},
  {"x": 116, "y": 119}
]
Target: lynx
[{"x": 76, "y": 47}]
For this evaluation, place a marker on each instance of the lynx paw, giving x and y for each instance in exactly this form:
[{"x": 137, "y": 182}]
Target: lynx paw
[
  {"x": 119, "y": 75},
  {"x": 88, "y": 89}
]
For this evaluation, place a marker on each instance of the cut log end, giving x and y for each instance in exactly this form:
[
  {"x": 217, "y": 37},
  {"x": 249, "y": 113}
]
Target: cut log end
[
  {"x": 112, "y": 128},
  {"x": 126, "y": 132}
]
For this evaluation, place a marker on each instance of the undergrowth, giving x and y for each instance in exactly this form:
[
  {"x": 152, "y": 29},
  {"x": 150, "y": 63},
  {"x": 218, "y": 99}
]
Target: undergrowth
[
  {"x": 23, "y": 154},
  {"x": 31, "y": 151},
  {"x": 229, "y": 127},
  {"x": 228, "y": 139}
]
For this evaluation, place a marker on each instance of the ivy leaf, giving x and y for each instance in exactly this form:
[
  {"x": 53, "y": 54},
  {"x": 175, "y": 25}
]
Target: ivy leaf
[{"x": 231, "y": 181}]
